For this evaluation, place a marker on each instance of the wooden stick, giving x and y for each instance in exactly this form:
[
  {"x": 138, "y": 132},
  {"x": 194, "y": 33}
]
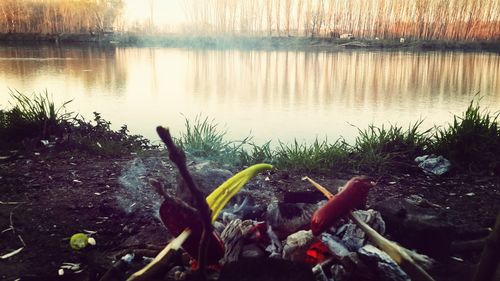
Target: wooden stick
[
  {"x": 396, "y": 252},
  {"x": 161, "y": 259},
  {"x": 179, "y": 158}
]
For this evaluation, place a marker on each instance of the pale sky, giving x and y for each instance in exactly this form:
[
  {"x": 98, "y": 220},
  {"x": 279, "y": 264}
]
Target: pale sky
[{"x": 165, "y": 12}]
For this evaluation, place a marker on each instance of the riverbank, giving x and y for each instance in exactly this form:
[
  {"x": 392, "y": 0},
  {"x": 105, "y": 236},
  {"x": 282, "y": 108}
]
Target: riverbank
[
  {"x": 470, "y": 142},
  {"x": 63, "y": 175},
  {"x": 250, "y": 43}
]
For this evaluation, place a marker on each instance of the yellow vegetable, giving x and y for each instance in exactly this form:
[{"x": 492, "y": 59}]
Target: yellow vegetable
[{"x": 222, "y": 194}]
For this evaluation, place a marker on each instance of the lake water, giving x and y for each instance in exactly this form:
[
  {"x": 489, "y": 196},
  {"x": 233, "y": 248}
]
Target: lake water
[{"x": 268, "y": 94}]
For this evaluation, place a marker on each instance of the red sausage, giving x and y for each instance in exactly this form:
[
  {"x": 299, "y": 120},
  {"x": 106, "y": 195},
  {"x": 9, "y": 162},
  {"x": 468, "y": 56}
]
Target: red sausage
[{"x": 352, "y": 196}]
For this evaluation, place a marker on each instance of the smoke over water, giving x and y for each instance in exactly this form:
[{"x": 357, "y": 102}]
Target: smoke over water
[{"x": 138, "y": 195}]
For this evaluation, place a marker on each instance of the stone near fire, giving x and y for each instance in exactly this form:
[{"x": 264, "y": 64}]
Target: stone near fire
[
  {"x": 297, "y": 244},
  {"x": 338, "y": 250},
  {"x": 352, "y": 236},
  {"x": 287, "y": 218},
  {"x": 386, "y": 268}
]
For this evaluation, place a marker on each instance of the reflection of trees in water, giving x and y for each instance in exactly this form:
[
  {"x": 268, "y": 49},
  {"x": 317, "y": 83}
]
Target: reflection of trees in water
[
  {"x": 94, "y": 67},
  {"x": 356, "y": 79}
]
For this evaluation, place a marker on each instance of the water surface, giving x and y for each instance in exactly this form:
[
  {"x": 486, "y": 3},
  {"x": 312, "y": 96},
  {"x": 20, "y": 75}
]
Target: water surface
[{"x": 270, "y": 94}]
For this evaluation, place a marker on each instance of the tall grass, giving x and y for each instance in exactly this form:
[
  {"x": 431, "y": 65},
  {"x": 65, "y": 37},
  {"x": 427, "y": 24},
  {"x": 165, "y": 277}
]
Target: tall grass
[
  {"x": 320, "y": 156},
  {"x": 35, "y": 115},
  {"x": 382, "y": 148},
  {"x": 204, "y": 138},
  {"x": 472, "y": 140},
  {"x": 375, "y": 150}
]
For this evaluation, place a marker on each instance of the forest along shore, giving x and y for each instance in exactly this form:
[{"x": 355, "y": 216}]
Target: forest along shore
[{"x": 249, "y": 42}]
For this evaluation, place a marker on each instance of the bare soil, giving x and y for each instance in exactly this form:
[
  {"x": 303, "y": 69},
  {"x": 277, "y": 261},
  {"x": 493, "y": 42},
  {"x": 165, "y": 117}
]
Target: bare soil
[{"x": 47, "y": 195}]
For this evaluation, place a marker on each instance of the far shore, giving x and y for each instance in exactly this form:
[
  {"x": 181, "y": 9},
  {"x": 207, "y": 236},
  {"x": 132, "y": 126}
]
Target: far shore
[{"x": 248, "y": 42}]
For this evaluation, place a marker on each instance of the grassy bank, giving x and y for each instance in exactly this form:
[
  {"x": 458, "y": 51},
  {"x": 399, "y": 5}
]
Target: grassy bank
[
  {"x": 34, "y": 121},
  {"x": 290, "y": 43},
  {"x": 471, "y": 141}
]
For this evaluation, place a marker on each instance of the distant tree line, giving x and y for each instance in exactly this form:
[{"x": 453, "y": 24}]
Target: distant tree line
[
  {"x": 419, "y": 19},
  {"x": 58, "y": 16}
]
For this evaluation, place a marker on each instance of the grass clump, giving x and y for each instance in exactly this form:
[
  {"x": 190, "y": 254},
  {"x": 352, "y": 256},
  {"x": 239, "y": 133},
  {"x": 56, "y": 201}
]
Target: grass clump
[
  {"x": 319, "y": 156},
  {"x": 376, "y": 150},
  {"x": 204, "y": 138},
  {"x": 379, "y": 149},
  {"x": 36, "y": 117},
  {"x": 32, "y": 116},
  {"x": 472, "y": 141},
  {"x": 96, "y": 136}
]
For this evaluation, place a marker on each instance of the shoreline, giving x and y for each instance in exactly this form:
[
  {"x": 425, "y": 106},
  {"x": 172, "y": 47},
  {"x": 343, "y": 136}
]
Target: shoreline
[{"x": 248, "y": 43}]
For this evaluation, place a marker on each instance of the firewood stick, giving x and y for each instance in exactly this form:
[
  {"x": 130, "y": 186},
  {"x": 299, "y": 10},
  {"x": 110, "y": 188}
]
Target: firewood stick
[
  {"x": 161, "y": 259},
  {"x": 177, "y": 156},
  {"x": 397, "y": 253}
]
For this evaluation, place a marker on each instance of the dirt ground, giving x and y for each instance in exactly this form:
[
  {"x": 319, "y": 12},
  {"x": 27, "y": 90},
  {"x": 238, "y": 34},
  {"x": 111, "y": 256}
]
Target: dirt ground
[{"x": 48, "y": 195}]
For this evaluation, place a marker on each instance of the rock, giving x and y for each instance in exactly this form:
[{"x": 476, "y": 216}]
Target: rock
[
  {"x": 432, "y": 164},
  {"x": 286, "y": 218},
  {"x": 352, "y": 236},
  {"x": 386, "y": 268},
  {"x": 417, "y": 224},
  {"x": 338, "y": 250},
  {"x": 297, "y": 244}
]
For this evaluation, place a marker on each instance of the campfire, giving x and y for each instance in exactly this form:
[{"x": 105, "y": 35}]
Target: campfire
[{"x": 333, "y": 239}]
